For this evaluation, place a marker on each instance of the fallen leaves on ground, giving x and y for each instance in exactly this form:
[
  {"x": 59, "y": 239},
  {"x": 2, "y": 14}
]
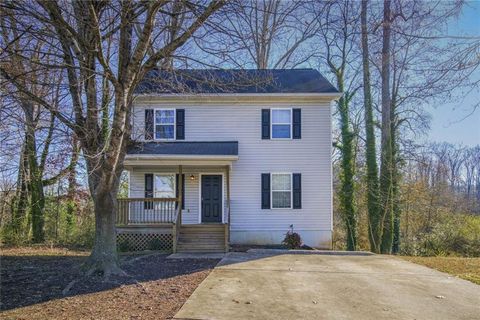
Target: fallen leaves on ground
[
  {"x": 465, "y": 268},
  {"x": 156, "y": 287}
]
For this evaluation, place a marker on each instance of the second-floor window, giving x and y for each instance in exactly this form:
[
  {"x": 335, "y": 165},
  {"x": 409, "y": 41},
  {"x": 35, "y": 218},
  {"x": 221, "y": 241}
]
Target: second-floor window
[
  {"x": 164, "y": 124},
  {"x": 281, "y": 123}
]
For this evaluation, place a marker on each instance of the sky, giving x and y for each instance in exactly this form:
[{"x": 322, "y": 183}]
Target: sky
[{"x": 458, "y": 122}]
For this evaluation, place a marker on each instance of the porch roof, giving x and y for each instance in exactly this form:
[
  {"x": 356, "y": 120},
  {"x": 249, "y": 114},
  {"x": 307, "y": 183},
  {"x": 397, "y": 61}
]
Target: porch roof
[
  {"x": 185, "y": 148},
  {"x": 187, "y": 153}
]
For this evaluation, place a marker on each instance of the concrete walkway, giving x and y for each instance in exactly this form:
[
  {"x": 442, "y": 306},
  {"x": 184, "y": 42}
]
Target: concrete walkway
[{"x": 258, "y": 285}]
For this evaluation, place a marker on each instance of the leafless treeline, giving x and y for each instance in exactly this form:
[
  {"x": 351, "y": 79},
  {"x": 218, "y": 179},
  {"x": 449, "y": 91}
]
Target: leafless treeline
[{"x": 449, "y": 166}]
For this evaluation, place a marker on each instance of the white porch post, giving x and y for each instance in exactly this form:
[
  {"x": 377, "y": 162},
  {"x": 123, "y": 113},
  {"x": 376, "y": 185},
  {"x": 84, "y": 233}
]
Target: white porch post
[
  {"x": 180, "y": 194},
  {"x": 227, "y": 236}
]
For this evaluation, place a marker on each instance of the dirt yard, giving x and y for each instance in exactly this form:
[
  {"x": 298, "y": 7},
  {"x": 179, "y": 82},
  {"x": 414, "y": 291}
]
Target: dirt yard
[
  {"x": 465, "y": 268},
  {"x": 32, "y": 280}
]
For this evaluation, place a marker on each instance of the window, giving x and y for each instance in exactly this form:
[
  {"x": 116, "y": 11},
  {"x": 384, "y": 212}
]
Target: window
[
  {"x": 281, "y": 190},
  {"x": 165, "y": 186},
  {"x": 165, "y": 124},
  {"x": 281, "y": 123}
]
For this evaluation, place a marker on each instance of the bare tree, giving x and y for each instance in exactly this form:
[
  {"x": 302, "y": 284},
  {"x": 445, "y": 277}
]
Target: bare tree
[
  {"x": 82, "y": 32},
  {"x": 263, "y": 34},
  {"x": 339, "y": 28}
]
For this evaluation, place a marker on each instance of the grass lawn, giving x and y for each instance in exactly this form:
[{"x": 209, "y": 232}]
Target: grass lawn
[
  {"x": 465, "y": 268},
  {"x": 32, "y": 280}
]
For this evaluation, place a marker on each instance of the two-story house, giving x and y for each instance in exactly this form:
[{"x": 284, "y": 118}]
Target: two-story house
[{"x": 229, "y": 157}]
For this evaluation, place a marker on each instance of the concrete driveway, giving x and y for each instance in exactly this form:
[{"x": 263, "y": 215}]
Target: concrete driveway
[{"x": 258, "y": 285}]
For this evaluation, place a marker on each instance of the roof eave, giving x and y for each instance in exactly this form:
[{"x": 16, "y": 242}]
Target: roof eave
[{"x": 294, "y": 94}]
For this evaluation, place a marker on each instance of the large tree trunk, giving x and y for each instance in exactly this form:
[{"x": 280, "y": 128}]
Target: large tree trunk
[
  {"x": 374, "y": 226},
  {"x": 386, "y": 186},
  {"x": 104, "y": 182},
  {"x": 395, "y": 184},
  {"x": 35, "y": 184},
  {"x": 347, "y": 171},
  {"x": 104, "y": 254},
  {"x": 72, "y": 186},
  {"x": 20, "y": 201}
]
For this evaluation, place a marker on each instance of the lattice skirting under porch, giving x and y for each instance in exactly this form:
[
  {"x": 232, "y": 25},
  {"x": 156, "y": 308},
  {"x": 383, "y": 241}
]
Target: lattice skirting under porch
[{"x": 142, "y": 240}]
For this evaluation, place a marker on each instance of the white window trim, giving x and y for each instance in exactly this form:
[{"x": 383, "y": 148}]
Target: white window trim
[
  {"x": 165, "y": 174},
  {"x": 291, "y": 190},
  {"x": 290, "y": 124},
  {"x": 155, "y": 124}
]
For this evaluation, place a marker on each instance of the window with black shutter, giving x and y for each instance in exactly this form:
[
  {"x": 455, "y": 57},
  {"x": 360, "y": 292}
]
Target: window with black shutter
[
  {"x": 265, "y": 123},
  {"x": 297, "y": 190},
  {"x": 148, "y": 190},
  {"x": 180, "y": 124},
  {"x": 297, "y": 124},
  {"x": 265, "y": 190}
]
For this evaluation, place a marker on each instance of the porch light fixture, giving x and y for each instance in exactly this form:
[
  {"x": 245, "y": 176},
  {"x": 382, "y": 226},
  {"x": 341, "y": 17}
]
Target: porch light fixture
[{"x": 192, "y": 177}]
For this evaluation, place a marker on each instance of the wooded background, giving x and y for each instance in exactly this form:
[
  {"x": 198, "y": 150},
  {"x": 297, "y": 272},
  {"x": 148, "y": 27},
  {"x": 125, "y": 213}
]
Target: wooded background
[{"x": 68, "y": 72}]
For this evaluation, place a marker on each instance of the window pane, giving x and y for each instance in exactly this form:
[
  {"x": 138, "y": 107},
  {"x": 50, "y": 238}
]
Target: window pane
[
  {"x": 281, "y": 182},
  {"x": 164, "y": 186},
  {"x": 164, "y": 116},
  {"x": 281, "y": 116},
  {"x": 280, "y": 131},
  {"x": 281, "y": 199},
  {"x": 164, "y": 132}
]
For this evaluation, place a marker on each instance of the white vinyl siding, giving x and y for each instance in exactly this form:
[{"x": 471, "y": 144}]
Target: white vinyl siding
[{"x": 234, "y": 121}]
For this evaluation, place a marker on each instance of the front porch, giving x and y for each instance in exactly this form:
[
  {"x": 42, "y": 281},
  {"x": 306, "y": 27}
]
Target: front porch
[{"x": 196, "y": 220}]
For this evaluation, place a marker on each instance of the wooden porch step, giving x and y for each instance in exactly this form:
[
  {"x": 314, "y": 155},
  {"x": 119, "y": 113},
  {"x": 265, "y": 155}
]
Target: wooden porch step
[
  {"x": 201, "y": 238},
  {"x": 219, "y": 241},
  {"x": 200, "y": 233},
  {"x": 203, "y": 229},
  {"x": 198, "y": 247},
  {"x": 201, "y": 251}
]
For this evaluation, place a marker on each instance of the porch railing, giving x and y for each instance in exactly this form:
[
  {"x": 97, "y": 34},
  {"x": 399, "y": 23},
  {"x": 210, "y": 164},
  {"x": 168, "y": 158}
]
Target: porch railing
[{"x": 132, "y": 211}]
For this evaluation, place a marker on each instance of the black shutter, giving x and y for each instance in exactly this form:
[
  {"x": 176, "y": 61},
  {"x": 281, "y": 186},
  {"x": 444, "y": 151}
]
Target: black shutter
[
  {"x": 183, "y": 189},
  {"x": 148, "y": 190},
  {"x": 149, "y": 124},
  {"x": 297, "y": 191},
  {"x": 265, "y": 190},
  {"x": 297, "y": 123},
  {"x": 180, "y": 124},
  {"x": 265, "y": 123}
]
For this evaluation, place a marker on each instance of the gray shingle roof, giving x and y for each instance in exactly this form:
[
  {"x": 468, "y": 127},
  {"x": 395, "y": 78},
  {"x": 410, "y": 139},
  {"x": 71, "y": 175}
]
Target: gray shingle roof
[
  {"x": 214, "y": 148},
  {"x": 235, "y": 81}
]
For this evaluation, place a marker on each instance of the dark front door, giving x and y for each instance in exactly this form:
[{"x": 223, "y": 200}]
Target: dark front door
[{"x": 212, "y": 198}]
